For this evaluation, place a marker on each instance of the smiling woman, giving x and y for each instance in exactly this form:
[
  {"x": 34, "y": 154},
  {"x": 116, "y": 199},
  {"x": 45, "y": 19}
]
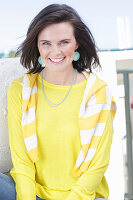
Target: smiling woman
[
  {"x": 56, "y": 45},
  {"x": 59, "y": 114}
]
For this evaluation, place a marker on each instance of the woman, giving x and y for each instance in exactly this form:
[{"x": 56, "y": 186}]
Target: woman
[{"x": 59, "y": 115}]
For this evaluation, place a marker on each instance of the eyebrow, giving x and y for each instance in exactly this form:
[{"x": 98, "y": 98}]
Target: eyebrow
[{"x": 59, "y": 41}]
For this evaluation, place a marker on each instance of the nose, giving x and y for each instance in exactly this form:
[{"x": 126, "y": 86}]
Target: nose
[{"x": 56, "y": 50}]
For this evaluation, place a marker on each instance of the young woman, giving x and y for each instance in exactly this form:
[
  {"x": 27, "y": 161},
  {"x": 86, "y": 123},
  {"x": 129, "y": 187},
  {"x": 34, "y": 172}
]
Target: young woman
[{"x": 59, "y": 114}]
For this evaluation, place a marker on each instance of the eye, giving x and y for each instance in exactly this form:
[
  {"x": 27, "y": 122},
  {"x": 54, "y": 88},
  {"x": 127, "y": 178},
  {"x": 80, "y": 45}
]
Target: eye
[
  {"x": 46, "y": 43},
  {"x": 64, "y": 42}
]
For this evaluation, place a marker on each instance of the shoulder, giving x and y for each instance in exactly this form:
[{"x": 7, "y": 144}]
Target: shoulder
[
  {"x": 15, "y": 88},
  {"x": 98, "y": 89},
  {"x": 103, "y": 93},
  {"x": 93, "y": 78}
]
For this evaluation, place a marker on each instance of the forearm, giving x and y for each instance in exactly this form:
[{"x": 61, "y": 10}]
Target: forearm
[
  {"x": 25, "y": 188},
  {"x": 24, "y": 170},
  {"x": 86, "y": 186}
]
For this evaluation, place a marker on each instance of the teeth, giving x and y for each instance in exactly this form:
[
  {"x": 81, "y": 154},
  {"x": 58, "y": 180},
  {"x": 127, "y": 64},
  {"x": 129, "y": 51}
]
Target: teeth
[{"x": 56, "y": 60}]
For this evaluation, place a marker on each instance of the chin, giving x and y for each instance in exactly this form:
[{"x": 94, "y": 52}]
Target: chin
[{"x": 57, "y": 68}]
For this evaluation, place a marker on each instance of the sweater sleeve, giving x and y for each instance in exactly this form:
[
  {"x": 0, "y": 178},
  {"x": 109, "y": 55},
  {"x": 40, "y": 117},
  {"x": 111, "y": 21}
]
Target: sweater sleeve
[
  {"x": 24, "y": 169},
  {"x": 85, "y": 187}
]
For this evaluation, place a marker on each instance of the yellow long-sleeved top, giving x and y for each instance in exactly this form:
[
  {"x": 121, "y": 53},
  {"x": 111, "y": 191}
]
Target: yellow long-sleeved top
[{"x": 58, "y": 133}]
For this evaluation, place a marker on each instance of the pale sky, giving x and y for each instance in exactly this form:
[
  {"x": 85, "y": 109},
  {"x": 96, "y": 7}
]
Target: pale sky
[{"x": 102, "y": 17}]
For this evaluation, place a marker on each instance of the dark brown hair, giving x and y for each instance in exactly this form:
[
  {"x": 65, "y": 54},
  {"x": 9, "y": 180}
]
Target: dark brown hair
[{"x": 52, "y": 14}]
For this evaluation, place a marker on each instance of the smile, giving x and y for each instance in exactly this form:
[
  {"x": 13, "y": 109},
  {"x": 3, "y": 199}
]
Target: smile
[{"x": 56, "y": 60}]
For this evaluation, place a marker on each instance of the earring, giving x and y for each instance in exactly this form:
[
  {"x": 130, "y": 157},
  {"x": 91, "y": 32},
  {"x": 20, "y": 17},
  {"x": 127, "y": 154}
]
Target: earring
[
  {"x": 76, "y": 56},
  {"x": 41, "y": 61}
]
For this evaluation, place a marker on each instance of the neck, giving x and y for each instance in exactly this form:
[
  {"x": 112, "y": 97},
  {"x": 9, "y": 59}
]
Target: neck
[{"x": 59, "y": 77}]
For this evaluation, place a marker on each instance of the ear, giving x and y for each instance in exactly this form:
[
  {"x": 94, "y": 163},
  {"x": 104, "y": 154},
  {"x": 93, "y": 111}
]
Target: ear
[{"x": 76, "y": 47}]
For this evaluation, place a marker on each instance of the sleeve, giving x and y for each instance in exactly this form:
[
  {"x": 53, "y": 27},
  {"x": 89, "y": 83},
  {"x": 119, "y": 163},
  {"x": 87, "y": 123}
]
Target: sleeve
[
  {"x": 85, "y": 187},
  {"x": 24, "y": 169}
]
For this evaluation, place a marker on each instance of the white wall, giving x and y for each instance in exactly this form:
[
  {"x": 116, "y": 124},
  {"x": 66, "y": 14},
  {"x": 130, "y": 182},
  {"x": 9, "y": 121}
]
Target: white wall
[{"x": 10, "y": 69}]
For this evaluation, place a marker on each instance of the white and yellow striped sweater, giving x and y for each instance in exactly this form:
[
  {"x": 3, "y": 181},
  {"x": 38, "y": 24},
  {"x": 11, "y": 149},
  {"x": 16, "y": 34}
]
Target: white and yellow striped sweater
[
  {"x": 93, "y": 114},
  {"x": 95, "y": 108}
]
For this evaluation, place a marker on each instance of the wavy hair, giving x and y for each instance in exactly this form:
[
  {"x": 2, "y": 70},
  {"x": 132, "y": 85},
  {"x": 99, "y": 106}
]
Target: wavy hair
[{"x": 53, "y": 14}]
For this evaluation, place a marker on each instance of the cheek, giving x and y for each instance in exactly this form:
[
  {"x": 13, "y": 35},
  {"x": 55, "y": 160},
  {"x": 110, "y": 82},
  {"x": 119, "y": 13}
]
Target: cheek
[
  {"x": 43, "y": 52},
  {"x": 70, "y": 51}
]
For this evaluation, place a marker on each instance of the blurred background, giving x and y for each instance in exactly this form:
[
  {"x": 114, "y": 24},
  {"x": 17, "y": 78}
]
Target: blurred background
[{"x": 111, "y": 23}]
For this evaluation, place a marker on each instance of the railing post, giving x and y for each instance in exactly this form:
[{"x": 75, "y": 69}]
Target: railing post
[{"x": 126, "y": 73}]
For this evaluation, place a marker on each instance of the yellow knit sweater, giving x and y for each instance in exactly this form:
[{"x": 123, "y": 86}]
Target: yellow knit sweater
[{"x": 59, "y": 143}]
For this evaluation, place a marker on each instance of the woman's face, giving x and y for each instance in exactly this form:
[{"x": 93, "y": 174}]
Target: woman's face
[{"x": 56, "y": 44}]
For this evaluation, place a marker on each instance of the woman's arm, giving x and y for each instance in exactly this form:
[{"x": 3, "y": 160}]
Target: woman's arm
[
  {"x": 86, "y": 186},
  {"x": 24, "y": 170}
]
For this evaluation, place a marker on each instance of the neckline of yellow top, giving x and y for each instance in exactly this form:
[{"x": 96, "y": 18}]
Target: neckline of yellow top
[{"x": 51, "y": 85}]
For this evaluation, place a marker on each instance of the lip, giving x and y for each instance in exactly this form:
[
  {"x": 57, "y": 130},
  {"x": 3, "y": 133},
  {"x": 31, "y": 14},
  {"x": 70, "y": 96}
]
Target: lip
[
  {"x": 58, "y": 58},
  {"x": 57, "y": 62}
]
